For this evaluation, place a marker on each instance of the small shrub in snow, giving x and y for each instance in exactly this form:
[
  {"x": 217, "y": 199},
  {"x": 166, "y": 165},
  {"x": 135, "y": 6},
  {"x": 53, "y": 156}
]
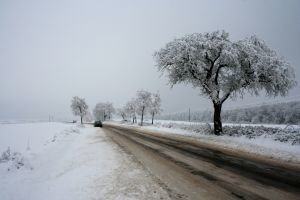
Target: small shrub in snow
[
  {"x": 5, "y": 156},
  {"x": 14, "y": 160},
  {"x": 54, "y": 138}
]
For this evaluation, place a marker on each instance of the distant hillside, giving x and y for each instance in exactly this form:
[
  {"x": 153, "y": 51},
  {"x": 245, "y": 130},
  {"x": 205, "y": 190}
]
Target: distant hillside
[{"x": 280, "y": 113}]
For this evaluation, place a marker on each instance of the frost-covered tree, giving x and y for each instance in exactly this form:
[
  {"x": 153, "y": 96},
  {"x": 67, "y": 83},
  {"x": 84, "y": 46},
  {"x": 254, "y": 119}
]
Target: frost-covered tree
[
  {"x": 122, "y": 113},
  {"x": 88, "y": 117},
  {"x": 103, "y": 111},
  {"x": 79, "y": 107},
  {"x": 221, "y": 68},
  {"x": 131, "y": 109},
  {"x": 143, "y": 102},
  {"x": 155, "y": 105},
  {"x": 109, "y": 109},
  {"x": 99, "y": 111}
]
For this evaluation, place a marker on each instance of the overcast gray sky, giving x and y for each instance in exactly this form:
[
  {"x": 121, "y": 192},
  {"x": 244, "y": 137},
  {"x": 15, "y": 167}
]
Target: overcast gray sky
[{"x": 102, "y": 50}]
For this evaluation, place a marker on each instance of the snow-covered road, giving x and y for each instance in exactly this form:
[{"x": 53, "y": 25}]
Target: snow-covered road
[
  {"x": 195, "y": 170},
  {"x": 66, "y": 161}
]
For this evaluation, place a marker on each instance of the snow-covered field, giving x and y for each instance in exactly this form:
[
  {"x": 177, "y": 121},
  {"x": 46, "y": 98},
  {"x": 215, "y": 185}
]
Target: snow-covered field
[
  {"x": 274, "y": 141},
  {"x": 68, "y": 161}
]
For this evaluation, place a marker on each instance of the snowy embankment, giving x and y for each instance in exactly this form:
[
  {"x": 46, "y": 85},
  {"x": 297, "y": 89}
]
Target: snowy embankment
[
  {"x": 68, "y": 161},
  {"x": 273, "y": 141}
]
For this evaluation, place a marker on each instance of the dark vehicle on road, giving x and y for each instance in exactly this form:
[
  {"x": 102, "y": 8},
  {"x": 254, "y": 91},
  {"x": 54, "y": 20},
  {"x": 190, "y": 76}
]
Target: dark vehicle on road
[{"x": 98, "y": 124}]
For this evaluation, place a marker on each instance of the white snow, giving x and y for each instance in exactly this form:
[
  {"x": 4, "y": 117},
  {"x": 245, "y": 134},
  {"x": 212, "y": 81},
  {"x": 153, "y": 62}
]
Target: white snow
[
  {"x": 261, "y": 145},
  {"x": 67, "y": 161}
]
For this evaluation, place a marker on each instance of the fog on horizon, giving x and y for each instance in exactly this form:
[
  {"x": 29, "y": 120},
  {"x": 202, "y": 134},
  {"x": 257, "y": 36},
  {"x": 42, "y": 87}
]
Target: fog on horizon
[{"x": 103, "y": 51}]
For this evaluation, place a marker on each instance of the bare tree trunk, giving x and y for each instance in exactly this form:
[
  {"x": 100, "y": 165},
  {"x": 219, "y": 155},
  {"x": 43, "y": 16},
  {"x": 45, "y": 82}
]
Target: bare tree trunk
[
  {"x": 217, "y": 119},
  {"x": 142, "y": 116},
  {"x": 152, "y": 117},
  {"x": 80, "y": 114}
]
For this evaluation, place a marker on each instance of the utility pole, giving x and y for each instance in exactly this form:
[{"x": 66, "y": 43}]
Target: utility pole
[{"x": 189, "y": 114}]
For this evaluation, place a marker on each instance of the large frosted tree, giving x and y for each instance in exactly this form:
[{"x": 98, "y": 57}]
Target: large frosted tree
[
  {"x": 79, "y": 107},
  {"x": 222, "y": 69}
]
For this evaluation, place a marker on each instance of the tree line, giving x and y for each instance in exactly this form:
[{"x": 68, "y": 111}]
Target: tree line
[
  {"x": 280, "y": 113},
  {"x": 145, "y": 103}
]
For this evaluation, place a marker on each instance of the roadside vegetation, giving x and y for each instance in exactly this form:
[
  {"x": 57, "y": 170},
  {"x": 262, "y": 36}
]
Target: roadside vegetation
[
  {"x": 145, "y": 103},
  {"x": 279, "y": 113},
  {"x": 79, "y": 107}
]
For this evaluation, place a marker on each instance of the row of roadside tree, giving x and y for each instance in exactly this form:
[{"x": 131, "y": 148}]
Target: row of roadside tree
[{"x": 145, "y": 103}]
